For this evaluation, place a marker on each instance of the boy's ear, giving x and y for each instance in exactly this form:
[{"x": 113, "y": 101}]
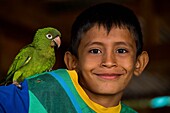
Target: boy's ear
[
  {"x": 70, "y": 61},
  {"x": 141, "y": 63}
]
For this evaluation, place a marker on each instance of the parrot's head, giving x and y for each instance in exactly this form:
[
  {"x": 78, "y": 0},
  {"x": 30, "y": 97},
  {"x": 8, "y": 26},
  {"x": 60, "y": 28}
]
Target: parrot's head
[{"x": 47, "y": 37}]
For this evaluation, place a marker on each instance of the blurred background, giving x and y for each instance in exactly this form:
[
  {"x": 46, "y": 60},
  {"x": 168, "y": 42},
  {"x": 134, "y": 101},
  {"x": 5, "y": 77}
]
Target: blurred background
[{"x": 19, "y": 21}]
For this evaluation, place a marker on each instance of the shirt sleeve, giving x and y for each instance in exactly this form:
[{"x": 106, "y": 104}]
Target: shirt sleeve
[{"x": 14, "y": 99}]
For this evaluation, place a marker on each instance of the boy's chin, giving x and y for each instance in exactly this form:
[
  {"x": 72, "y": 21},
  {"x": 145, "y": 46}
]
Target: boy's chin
[{"x": 109, "y": 91}]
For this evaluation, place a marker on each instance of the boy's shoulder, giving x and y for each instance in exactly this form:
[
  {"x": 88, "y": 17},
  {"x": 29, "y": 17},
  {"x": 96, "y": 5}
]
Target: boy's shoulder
[
  {"x": 48, "y": 89},
  {"x": 57, "y": 71},
  {"x": 127, "y": 109},
  {"x": 47, "y": 76},
  {"x": 46, "y": 79}
]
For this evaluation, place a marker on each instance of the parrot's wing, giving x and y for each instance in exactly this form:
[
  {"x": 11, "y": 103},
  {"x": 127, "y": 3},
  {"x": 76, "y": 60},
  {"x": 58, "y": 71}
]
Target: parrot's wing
[{"x": 23, "y": 57}]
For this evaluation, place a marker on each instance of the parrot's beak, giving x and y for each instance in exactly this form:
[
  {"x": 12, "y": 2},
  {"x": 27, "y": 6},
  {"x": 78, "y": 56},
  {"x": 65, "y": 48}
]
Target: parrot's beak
[{"x": 56, "y": 42}]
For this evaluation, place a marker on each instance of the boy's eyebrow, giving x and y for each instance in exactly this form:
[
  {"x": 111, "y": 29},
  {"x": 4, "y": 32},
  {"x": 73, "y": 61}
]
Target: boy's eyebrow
[
  {"x": 93, "y": 43},
  {"x": 115, "y": 43},
  {"x": 124, "y": 43}
]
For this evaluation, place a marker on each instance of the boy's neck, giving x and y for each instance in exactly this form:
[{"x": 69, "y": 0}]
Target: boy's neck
[{"x": 105, "y": 100}]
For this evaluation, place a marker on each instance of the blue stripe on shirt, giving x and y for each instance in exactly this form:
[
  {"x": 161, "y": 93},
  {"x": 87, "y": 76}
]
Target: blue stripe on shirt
[{"x": 70, "y": 94}]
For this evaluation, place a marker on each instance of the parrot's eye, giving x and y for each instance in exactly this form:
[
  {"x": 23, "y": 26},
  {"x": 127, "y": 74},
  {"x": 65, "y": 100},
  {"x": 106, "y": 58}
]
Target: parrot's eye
[{"x": 49, "y": 36}]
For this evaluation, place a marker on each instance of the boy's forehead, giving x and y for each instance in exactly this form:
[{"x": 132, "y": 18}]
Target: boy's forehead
[
  {"x": 100, "y": 33},
  {"x": 98, "y": 29},
  {"x": 104, "y": 27}
]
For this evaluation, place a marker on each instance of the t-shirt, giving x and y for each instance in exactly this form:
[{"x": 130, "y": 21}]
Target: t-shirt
[{"x": 57, "y": 91}]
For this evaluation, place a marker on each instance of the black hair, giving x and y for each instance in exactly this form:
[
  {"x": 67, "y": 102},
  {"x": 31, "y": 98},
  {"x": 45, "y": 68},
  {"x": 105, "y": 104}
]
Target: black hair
[{"x": 109, "y": 15}]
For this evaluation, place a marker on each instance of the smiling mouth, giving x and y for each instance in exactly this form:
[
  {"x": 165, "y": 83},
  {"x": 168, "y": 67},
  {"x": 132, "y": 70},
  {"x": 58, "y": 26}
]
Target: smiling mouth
[{"x": 109, "y": 76}]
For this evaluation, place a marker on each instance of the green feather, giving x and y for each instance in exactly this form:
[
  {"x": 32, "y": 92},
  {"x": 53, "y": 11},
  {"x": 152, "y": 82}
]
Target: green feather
[{"x": 37, "y": 57}]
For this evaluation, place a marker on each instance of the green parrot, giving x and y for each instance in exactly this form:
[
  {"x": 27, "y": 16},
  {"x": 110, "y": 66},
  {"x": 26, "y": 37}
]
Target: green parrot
[{"x": 37, "y": 57}]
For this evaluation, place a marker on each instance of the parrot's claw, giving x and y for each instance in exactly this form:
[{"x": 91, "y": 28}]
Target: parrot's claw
[
  {"x": 16, "y": 84},
  {"x": 49, "y": 70}
]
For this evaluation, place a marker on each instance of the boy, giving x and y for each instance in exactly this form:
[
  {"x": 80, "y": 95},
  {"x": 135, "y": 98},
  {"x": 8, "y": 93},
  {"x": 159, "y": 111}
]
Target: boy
[{"x": 105, "y": 52}]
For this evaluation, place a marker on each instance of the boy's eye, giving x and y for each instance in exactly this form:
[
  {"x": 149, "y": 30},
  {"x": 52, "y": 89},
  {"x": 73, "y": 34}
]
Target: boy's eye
[
  {"x": 121, "y": 51},
  {"x": 95, "y": 51}
]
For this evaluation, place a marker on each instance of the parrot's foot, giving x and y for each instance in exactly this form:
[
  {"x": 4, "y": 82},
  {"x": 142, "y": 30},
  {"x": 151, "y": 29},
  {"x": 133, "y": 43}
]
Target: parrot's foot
[
  {"x": 49, "y": 70},
  {"x": 16, "y": 84}
]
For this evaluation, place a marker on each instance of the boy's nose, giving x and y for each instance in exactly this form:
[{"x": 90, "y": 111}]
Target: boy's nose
[{"x": 109, "y": 61}]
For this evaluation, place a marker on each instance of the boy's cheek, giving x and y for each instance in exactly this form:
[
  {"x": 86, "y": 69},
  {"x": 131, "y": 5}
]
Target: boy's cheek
[
  {"x": 126, "y": 62},
  {"x": 90, "y": 59}
]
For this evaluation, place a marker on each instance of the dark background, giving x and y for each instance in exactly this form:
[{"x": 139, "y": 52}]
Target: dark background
[{"x": 19, "y": 21}]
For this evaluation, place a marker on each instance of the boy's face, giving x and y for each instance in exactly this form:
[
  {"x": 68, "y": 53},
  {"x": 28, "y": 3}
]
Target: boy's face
[{"x": 106, "y": 62}]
